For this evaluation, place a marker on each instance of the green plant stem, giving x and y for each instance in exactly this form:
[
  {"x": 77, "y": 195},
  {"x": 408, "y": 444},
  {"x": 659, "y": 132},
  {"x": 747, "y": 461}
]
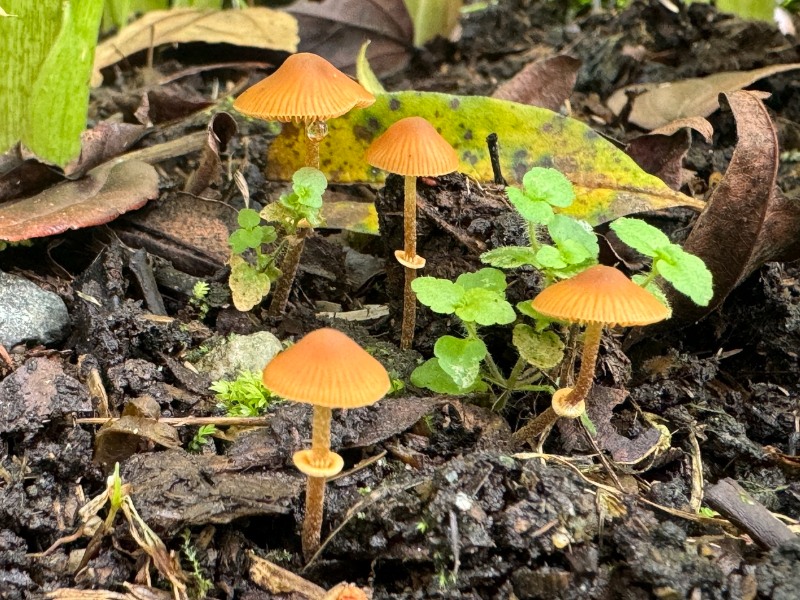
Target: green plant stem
[
  {"x": 650, "y": 277},
  {"x": 533, "y": 235},
  {"x": 511, "y": 384},
  {"x": 289, "y": 265},
  {"x": 410, "y": 249}
]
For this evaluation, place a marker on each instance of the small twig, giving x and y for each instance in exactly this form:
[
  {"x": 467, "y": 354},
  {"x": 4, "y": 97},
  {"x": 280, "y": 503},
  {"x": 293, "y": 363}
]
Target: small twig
[
  {"x": 473, "y": 244},
  {"x": 696, "y": 499},
  {"x": 731, "y": 500},
  {"x": 189, "y": 421}
]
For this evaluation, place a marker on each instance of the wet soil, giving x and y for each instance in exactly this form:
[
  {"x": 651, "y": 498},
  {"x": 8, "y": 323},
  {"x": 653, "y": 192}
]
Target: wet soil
[{"x": 435, "y": 501}]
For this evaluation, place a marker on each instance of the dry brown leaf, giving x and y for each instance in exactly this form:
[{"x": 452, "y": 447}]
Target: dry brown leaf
[
  {"x": 546, "y": 83},
  {"x": 697, "y": 97},
  {"x": 746, "y": 222},
  {"x": 336, "y": 29},
  {"x": 256, "y": 27},
  {"x": 121, "y": 438},
  {"x": 699, "y": 124},
  {"x": 105, "y": 193}
]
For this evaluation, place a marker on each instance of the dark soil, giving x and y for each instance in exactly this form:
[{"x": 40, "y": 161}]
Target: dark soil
[{"x": 444, "y": 506}]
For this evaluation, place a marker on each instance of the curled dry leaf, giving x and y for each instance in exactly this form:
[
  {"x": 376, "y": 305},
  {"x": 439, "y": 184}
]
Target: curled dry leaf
[
  {"x": 336, "y": 29},
  {"x": 105, "y": 193},
  {"x": 121, "y": 438},
  {"x": 622, "y": 449},
  {"x": 255, "y": 27},
  {"x": 747, "y": 221},
  {"x": 547, "y": 83},
  {"x": 221, "y": 130},
  {"x": 663, "y": 102}
]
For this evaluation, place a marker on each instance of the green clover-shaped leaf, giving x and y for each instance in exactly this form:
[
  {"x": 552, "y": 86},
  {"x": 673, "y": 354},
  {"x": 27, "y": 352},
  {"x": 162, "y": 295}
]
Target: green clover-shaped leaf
[
  {"x": 460, "y": 358},
  {"x": 640, "y": 236},
  {"x": 440, "y": 295},
  {"x": 487, "y": 278},
  {"x": 485, "y": 307},
  {"x": 548, "y": 185},
  {"x": 543, "y": 350},
  {"x": 509, "y": 257}
]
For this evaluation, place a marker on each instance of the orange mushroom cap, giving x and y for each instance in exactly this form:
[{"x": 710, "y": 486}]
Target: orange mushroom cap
[
  {"x": 345, "y": 591},
  {"x": 306, "y": 87},
  {"x": 600, "y": 294},
  {"x": 327, "y": 368},
  {"x": 412, "y": 146}
]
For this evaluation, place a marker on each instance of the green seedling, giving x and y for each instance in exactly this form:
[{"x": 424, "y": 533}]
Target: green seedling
[
  {"x": 463, "y": 365},
  {"x": 252, "y": 268},
  {"x": 199, "y": 298},
  {"x": 574, "y": 245},
  {"x": 297, "y": 213},
  {"x": 686, "y": 272},
  {"x": 201, "y": 438},
  {"x": 245, "y": 396},
  {"x": 198, "y": 585}
]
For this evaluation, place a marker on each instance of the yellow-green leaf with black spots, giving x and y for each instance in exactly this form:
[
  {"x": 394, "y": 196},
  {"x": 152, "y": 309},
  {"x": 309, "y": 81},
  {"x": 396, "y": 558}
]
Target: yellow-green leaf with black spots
[{"x": 608, "y": 183}]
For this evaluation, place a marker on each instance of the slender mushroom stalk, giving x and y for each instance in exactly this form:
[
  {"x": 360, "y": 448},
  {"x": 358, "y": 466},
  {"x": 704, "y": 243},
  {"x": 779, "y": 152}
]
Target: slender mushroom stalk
[
  {"x": 305, "y": 88},
  {"x": 413, "y": 148},
  {"x": 573, "y": 404},
  {"x": 315, "y": 133},
  {"x": 328, "y": 370}
]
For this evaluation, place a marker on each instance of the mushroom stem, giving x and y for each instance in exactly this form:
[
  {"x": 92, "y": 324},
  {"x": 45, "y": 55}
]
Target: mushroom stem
[
  {"x": 315, "y": 488},
  {"x": 321, "y": 435},
  {"x": 410, "y": 247},
  {"x": 312, "y": 523},
  {"x": 315, "y": 132},
  {"x": 591, "y": 345}
]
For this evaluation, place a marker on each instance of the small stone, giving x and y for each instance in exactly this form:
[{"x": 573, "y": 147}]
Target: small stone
[
  {"x": 29, "y": 313},
  {"x": 239, "y": 353}
]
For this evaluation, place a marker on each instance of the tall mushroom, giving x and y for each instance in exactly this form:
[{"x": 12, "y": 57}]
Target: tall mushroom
[
  {"x": 306, "y": 88},
  {"x": 328, "y": 370},
  {"x": 596, "y": 297},
  {"x": 413, "y": 148}
]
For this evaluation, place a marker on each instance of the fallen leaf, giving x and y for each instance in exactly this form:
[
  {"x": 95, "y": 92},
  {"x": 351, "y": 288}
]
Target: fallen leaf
[
  {"x": 661, "y": 152},
  {"x": 256, "y": 27},
  {"x": 102, "y": 142},
  {"x": 608, "y": 183},
  {"x": 105, "y": 193},
  {"x": 662, "y": 155},
  {"x": 336, "y": 29},
  {"x": 747, "y": 222},
  {"x": 697, "y": 97},
  {"x": 121, "y": 438},
  {"x": 220, "y": 131},
  {"x": 546, "y": 83},
  {"x": 360, "y": 217},
  {"x": 170, "y": 103},
  {"x": 623, "y": 450}
]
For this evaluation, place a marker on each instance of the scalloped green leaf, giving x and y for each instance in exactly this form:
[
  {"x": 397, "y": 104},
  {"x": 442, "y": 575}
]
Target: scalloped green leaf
[
  {"x": 607, "y": 182},
  {"x": 460, "y": 358},
  {"x": 543, "y": 350},
  {"x": 487, "y": 278},
  {"x": 440, "y": 295},
  {"x": 430, "y": 375},
  {"x": 485, "y": 307},
  {"x": 509, "y": 257}
]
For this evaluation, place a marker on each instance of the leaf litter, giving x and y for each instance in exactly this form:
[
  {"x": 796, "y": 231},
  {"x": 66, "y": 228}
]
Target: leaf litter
[{"x": 444, "y": 472}]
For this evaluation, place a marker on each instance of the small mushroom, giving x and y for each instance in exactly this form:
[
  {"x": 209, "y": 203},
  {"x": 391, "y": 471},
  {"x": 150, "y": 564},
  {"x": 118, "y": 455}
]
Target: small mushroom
[
  {"x": 328, "y": 370},
  {"x": 413, "y": 148},
  {"x": 345, "y": 591},
  {"x": 596, "y": 297},
  {"x": 305, "y": 88}
]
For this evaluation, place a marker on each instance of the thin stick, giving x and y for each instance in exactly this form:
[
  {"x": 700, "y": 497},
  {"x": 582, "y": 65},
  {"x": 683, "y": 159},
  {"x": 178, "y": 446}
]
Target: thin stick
[{"x": 189, "y": 421}]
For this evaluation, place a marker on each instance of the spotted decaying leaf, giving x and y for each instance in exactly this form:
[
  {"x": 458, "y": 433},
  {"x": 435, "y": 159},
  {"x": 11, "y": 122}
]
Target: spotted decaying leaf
[{"x": 608, "y": 183}]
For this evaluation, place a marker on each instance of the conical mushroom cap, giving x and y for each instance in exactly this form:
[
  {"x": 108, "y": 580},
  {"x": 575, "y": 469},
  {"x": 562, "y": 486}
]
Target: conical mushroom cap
[
  {"x": 327, "y": 368},
  {"x": 412, "y": 146},
  {"x": 600, "y": 294},
  {"x": 306, "y": 87}
]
